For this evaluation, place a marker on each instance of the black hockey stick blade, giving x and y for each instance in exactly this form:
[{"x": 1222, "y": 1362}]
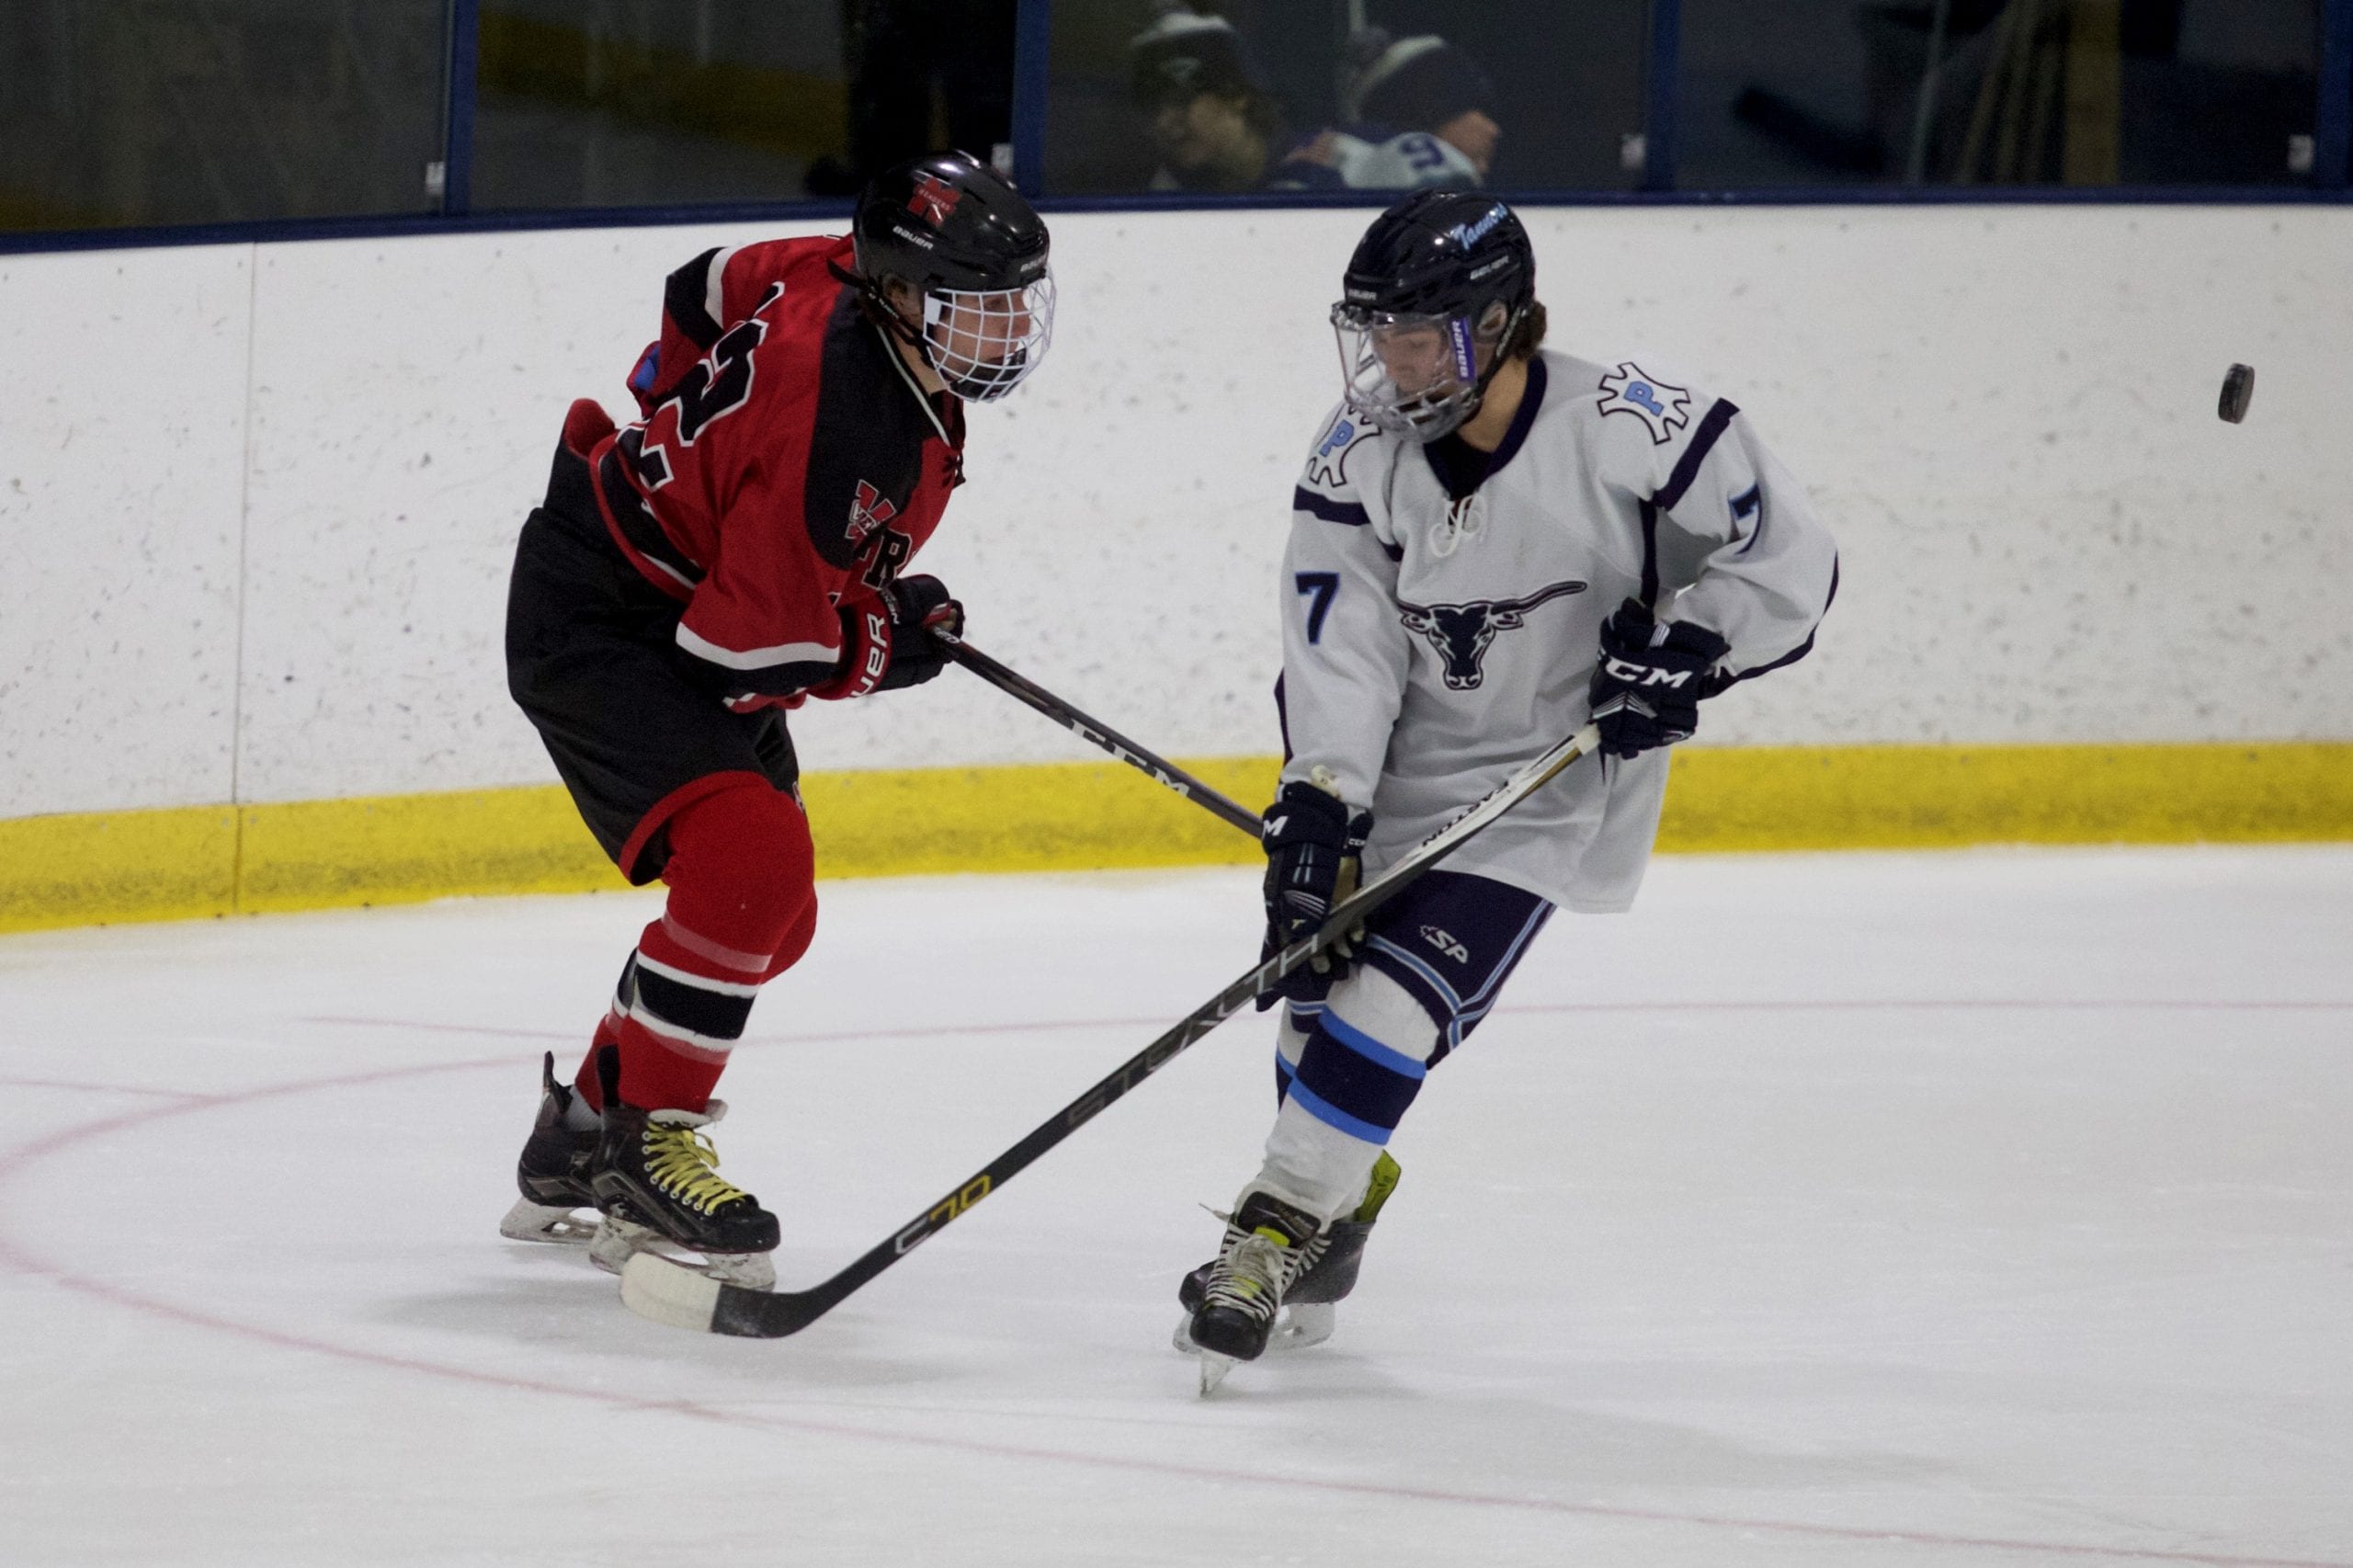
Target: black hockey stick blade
[
  {"x": 654, "y": 1286},
  {"x": 1094, "y": 732}
]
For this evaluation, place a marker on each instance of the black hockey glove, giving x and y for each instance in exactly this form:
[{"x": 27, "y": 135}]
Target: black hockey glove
[
  {"x": 1646, "y": 689},
  {"x": 917, "y": 605},
  {"x": 1312, "y": 845}
]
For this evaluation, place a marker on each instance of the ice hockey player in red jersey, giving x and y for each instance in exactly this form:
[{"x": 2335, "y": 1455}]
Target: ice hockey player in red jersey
[{"x": 690, "y": 577}]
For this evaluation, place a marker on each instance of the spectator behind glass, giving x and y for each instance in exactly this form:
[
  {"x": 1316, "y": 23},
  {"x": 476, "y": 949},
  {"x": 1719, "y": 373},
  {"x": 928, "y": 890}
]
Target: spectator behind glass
[
  {"x": 1423, "y": 114},
  {"x": 1214, "y": 123}
]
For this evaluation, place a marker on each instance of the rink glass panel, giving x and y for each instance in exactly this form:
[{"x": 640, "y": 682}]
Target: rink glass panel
[
  {"x": 198, "y": 111},
  {"x": 620, "y": 103},
  {"x": 2015, "y": 92},
  {"x": 1567, "y": 79}
]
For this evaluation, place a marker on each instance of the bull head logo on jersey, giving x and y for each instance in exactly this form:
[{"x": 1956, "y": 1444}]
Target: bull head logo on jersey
[
  {"x": 1462, "y": 634},
  {"x": 933, "y": 198}
]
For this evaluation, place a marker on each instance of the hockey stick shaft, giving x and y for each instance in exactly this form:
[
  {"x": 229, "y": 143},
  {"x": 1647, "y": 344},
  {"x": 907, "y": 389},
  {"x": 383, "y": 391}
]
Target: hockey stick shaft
[
  {"x": 659, "y": 1289},
  {"x": 1094, "y": 732}
]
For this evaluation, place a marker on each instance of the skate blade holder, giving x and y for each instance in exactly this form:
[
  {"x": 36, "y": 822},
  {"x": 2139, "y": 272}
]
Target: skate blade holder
[
  {"x": 1308, "y": 1323},
  {"x": 618, "y": 1241},
  {"x": 545, "y": 1223}
]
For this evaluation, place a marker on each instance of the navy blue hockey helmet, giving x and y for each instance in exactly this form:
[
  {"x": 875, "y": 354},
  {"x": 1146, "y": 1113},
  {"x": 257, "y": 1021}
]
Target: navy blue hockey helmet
[
  {"x": 1432, "y": 294},
  {"x": 975, "y": 251}
]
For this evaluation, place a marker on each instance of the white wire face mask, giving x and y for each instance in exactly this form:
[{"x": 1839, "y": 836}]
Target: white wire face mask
[
  {"x": 1410, "y": 375},
  {"x": 984, "y": 344}
]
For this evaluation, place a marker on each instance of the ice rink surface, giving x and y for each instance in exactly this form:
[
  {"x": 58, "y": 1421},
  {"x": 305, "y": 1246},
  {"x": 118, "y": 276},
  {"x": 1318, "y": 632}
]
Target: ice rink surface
[{"x": 1966, "y": 1209}]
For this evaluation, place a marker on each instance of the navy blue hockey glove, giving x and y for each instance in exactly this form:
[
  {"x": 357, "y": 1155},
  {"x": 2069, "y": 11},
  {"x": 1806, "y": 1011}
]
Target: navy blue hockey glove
[
  {"x": 1646, "y": 689},
  {"x": 1312, "y": 845},
  {"x": 917, "y": 605}
]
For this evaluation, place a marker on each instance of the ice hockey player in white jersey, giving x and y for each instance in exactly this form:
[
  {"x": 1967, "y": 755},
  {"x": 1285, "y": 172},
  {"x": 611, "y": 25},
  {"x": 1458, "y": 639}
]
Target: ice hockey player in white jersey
[{"x": 1492, "y": 543}]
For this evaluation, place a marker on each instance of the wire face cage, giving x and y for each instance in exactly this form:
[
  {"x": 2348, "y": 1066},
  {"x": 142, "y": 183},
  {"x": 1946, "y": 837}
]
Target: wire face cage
[
  {"x": 985, "y": 344},
  {"x": 1410, "y": 375}
]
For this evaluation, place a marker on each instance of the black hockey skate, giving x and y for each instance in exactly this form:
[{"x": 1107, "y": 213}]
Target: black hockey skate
[
  {"x": 554, "y": 1173},
  {"x": 657, "y": 1179},
  {"x": 1307, "y": 1316},
  {"x": 1268, "y": 1246}
]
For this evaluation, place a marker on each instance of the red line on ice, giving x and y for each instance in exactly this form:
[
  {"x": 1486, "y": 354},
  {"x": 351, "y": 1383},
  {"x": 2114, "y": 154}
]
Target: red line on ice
[
  {"x": 16, "y": 1161},
  {"x": 1043, "y": 1025}
]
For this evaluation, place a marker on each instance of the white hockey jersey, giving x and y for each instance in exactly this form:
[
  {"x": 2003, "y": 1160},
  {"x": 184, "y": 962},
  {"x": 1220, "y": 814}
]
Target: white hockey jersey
[
  {"x": 1412, "y": 161},
  {"x": 1431, "y": 647}
]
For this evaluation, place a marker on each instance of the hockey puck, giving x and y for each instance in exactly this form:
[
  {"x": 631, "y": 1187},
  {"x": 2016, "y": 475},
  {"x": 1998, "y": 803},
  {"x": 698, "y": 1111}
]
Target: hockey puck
[{"x": 2238, "y": 390}]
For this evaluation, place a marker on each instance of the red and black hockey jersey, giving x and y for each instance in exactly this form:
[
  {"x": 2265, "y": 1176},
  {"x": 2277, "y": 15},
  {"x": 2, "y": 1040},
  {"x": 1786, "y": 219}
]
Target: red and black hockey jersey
[{"x": 787, "y": 467}]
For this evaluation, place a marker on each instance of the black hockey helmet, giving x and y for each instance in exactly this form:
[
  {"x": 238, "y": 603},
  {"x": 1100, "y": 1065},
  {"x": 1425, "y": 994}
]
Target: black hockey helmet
[
  {"x": 973, "y": 247},
  {"x": 1437, "y": 279}
]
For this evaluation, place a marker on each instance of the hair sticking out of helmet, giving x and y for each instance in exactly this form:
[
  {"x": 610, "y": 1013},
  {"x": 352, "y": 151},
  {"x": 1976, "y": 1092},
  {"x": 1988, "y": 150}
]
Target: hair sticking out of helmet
[
  {"x": 1430, "y": 299},
  {"x": 971, "y": 255}
]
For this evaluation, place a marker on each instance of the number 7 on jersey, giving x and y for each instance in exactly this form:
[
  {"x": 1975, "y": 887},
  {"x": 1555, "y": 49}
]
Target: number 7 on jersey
[{"x": 1320, "y": 587}]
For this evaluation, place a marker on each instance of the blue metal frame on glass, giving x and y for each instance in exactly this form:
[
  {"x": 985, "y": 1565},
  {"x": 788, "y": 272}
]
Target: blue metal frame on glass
[
  {"x": 464, "y": 42},
  {"x": 1662, "y": 95},
  {"x": 2331, "y": 180},
  {"x": 2332, "y": 127},
  {"x": 283, "y": 230},
  {"x": 1033, "y": 47}
]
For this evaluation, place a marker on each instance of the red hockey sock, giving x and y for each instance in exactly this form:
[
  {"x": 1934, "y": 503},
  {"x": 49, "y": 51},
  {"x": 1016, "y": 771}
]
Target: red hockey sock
[{"x": 743, "y": 908}]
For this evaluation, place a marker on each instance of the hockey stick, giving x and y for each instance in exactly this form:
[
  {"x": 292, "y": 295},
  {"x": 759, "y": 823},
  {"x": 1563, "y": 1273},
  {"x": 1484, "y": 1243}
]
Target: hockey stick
[
  {"x": 1098, "y": 734},
  {"x": 655, "y": 1287}
]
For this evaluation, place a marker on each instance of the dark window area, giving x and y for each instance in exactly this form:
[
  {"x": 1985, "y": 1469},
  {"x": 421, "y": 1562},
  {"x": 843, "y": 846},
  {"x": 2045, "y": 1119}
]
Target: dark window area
[
  {"x": 116, "y": 112},
  {"x": 614, "y": 102},
  {"x": 1383, "y": 94},
  {"x": 1999, "y": 92}
]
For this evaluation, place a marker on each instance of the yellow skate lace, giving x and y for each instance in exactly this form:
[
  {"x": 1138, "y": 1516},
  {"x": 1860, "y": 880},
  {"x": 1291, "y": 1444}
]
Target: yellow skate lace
[{"x": 683, "y": 1163}]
